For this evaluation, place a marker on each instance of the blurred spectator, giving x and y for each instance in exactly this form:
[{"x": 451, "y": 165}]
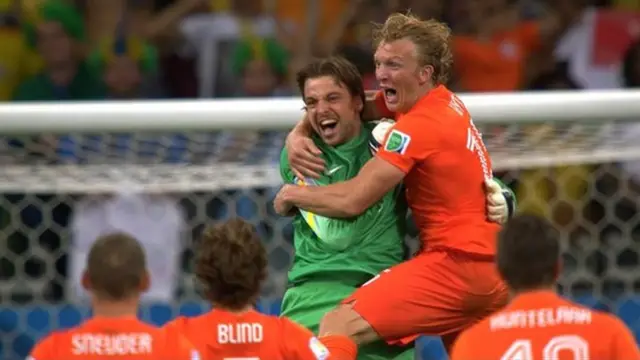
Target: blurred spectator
[
  {"x": 157, "y": 22},
  {"x": 629, "y": 5},
  {"x": 17, "y": 60},
  {"x": 129, "y": 68},
  {"x": 153, "y": 20},
  {"x": 56, "y": 30},
  {"x": 308, "y": 24},
  {"x": 594, "y": 45},
  {"x": 494, "y": 55},
  {"x": 262, "y": 66},
  {"x": 213, "y": 37}
]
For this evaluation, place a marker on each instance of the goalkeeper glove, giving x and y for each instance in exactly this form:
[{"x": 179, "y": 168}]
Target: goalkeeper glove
[
  {"x": 379, "y": 134},
  {"x": 501, "y": 202}
]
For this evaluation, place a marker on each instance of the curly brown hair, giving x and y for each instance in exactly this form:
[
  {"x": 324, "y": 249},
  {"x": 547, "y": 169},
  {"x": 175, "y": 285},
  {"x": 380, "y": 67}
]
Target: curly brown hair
[
  {"x": 231, "y": 264},
  {"x": 116, "y": 266},
  {"x": 431, "y": 37}
]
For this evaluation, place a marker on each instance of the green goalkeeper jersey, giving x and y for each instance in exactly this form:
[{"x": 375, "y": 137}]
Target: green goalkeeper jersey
[{"x": 354, "y": 249}]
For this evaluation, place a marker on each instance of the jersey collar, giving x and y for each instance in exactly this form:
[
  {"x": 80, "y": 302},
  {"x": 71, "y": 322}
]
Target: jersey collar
[
  {"x": 437, "y": 92},
  {"x": 535, "y": 297}
]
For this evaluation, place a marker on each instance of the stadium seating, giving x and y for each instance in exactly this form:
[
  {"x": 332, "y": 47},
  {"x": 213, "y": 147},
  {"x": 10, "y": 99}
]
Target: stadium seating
[{"x": 23, "y": 326}]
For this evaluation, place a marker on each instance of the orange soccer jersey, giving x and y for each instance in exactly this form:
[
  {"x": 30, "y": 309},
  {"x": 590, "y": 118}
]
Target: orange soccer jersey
[
  {"x": 499, "y": 63},
  {"x": 222, "y": 335},
  {"x": 437, "y": 145},
  {"x": 542, "y": 325},
  {"x": 122, "y": 338}
]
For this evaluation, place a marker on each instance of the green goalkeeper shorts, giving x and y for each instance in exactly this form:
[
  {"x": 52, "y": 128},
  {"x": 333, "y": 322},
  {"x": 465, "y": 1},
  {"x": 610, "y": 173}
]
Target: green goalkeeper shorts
[{"x": 308, "y": 302}]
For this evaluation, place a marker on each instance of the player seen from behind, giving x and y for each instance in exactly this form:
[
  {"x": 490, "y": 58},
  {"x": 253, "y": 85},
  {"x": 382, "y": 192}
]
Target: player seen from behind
[
  {"x": 334, "y": 257},
  {"x": 231, "y": 265},
  {"x": 116, "y": 276},
  {"x": 436, "y": 150},
  {"x": 538, "y": 323}
]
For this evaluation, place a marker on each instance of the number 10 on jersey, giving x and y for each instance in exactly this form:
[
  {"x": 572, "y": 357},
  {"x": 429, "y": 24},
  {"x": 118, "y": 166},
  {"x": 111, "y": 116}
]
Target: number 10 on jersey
[{"x": 523, "y": 349}]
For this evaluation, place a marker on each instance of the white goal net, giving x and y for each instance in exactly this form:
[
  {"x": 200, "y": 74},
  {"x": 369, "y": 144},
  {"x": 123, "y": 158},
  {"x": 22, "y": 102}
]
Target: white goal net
[{"x": 569, "y": 156}]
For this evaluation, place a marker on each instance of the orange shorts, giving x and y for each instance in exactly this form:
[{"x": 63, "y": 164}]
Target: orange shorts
[{"x": 437, "y": 293}]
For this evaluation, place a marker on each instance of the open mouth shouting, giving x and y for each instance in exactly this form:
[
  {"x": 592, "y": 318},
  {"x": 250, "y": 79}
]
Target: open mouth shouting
[
  {"x": 390, "y": 96},
  {"x": 328, "y": 127}
]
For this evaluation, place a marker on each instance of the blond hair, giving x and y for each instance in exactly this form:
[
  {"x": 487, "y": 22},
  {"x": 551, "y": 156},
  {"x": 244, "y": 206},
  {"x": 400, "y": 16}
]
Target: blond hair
[{"x": 431, "y": 38}]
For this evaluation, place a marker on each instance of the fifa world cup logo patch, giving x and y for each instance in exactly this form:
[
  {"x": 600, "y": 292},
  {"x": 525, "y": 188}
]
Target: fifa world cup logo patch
[{"x": 397, "y": 142}]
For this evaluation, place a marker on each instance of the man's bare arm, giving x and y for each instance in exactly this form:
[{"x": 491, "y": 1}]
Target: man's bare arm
[{"x": 350, "y": 198}]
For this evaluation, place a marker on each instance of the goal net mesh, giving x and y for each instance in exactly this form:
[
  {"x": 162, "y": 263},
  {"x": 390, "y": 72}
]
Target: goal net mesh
[{"x": 582, "y": 176}]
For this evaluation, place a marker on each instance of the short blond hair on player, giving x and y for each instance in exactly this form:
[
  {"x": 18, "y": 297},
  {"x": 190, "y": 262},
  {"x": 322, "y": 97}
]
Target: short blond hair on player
[{"x": 431, "y": 37}]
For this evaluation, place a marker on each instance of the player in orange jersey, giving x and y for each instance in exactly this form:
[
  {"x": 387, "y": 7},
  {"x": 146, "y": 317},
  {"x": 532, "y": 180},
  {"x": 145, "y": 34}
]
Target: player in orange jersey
[
  {"x": 538, "y": 323},
  {"x": 116, "y": 276},
  {"x": 231, "y": 264},
  {"x": 437, "y": 151}
]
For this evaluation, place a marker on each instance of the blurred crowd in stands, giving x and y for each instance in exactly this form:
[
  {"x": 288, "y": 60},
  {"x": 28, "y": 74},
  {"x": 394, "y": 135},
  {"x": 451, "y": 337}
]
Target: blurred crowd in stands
[
  {"x": 57, "y": 50},
  {"x": 146, "y": 49}
]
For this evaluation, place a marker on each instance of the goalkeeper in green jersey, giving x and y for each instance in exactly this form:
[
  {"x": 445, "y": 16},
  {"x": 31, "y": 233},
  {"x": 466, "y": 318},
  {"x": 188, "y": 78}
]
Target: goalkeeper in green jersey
[{"x": 333, "y": 257}]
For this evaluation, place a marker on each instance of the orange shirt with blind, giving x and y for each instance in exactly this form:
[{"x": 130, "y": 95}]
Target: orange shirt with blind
[
  {"x": 123, "y": 338},
  {"x": 220, "y": 335},
  {"x": 497, "y": 64},
  {"x": 543, "y": 325}
]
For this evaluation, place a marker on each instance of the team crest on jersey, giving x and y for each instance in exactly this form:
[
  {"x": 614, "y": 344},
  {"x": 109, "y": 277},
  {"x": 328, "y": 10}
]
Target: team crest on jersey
[
  {"x": 318, "y": 349},
  {"x": 397, "y": 142}
]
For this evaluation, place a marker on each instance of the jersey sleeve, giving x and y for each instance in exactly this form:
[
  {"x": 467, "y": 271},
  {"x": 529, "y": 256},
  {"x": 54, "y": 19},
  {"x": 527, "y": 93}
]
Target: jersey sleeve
[
  {"x": 285, "y": 169},
  {"x": 300, "y": 343},
  {"x": 625, "y": 345},
  {"x": 408, "y": 142}
]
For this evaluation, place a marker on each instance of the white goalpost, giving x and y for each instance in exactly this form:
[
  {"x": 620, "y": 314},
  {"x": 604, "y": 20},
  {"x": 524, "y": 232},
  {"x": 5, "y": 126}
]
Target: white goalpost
[
  {"x": 570, "y": 156},
  {"x": 521, "y": 130}
]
